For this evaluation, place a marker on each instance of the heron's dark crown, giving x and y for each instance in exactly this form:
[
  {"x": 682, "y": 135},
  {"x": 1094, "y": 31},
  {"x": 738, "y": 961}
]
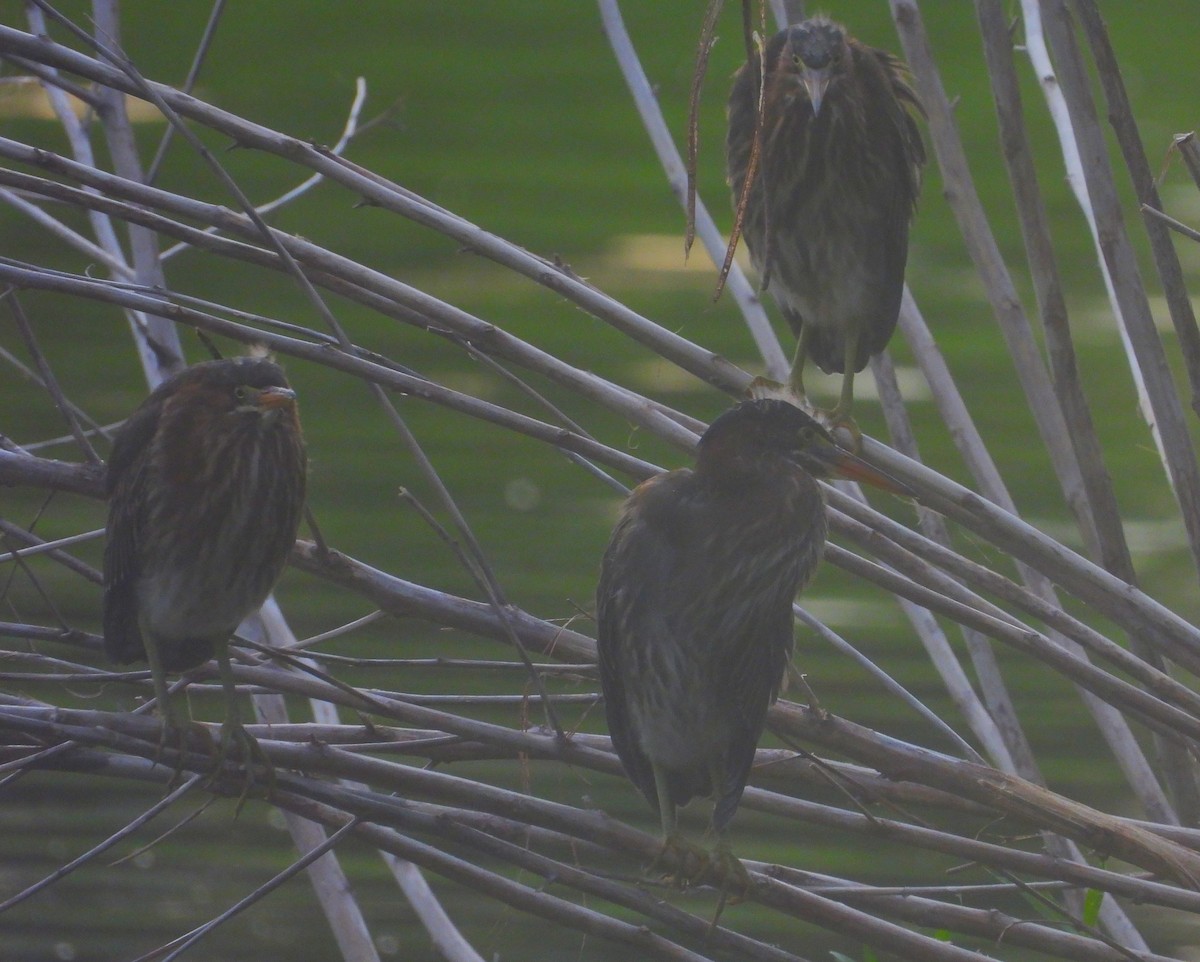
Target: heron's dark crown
[
  {"x": 756, "y": 433},
  {"x": 816, "y": 42},
  {"x": 765, "y": 415},
  {"x": 257, "y": 372}
]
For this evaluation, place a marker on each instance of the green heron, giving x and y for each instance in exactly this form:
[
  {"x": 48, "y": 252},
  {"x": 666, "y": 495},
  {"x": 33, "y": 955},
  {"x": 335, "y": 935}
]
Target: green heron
[
  {"x": 694, "y": 604},
  {"x": 206, "y": 487},
  {"x": 827, "y": 215}
]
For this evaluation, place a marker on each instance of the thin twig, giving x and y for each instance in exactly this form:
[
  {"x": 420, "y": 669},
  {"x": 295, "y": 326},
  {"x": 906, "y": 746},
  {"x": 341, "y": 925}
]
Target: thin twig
[{"x": 49, "y": 381}]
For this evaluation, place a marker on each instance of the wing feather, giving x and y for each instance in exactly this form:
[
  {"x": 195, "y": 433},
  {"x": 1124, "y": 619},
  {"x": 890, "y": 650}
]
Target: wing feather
[
  {"x": 630, "y": 605},
  {"x": 125, "y": 485}
]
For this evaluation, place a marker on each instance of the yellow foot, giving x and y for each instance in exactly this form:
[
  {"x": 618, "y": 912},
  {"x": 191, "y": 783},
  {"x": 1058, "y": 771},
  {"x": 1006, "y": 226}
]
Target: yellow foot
[
  {"x": 764, "y": 388},
  {"x": 727, "y": 873},
  {"x": 237, "y": 744},
  {"x": 843, "y": 427},
  {"x": 729, "y": 876},
  {"x": 838, "y": 422},
  {"x": 181, "y": 737},
  {"x": 684, "y": 862}
]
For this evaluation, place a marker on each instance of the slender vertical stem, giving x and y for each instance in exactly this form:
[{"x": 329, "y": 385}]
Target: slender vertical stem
[
  {"x": 1124, "y": 125},
  {"x": 1148, "y": 354},
  {"x": 647, "y": 104},
  {"x": 1043, "y": 268},
  {"x": 985, "y": 254},
  {"x": 161, "y": 336}
]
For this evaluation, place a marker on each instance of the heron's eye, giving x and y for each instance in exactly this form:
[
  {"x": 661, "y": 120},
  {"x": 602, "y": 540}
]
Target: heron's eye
[
  {"x": 241, "y": 392},
  {"x": 796, "y": 61}
]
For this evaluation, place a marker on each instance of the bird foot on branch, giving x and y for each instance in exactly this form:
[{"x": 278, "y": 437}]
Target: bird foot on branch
[
  {"x": 837, "y": 421},
  {"x": 763, "y": 388},
  {"x": 843, "y": 427},
  {"x": 179, "y": 737},
  {"x": 238, "y": 745},
  {"x": 726, "y": 872},
  {"x": 685, "y": 863}
]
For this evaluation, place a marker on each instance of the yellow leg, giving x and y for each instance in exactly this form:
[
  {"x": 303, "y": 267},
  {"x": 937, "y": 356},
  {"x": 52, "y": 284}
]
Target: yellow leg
[
  {"x": 666, "y": 808},
  {"x": 796, "y": 382},
  {"x": 728, "y": 872},
  {"x": 176, "y": 723},
  {"x": 233, "y": 714},
  {"x": 841, "y": 413},
  {"x": 684, "y": 860},
  {"x": 162, "y": 693},
  {"x": 724, "y": 869},
  {"x": 233, "y": 732}
]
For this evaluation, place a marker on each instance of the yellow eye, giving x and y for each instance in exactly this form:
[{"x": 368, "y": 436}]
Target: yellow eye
[{"x": 241, "y": 392}]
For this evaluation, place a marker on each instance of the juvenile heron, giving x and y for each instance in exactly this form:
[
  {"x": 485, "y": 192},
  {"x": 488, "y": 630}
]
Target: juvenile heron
[
  {"x": 695, "y": 598},
  {"x": 839, "y": 169},
  {"x": 206, "y": 485}
]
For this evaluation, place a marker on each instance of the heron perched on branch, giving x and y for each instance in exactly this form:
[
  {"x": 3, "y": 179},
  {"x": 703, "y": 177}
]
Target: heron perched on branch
[
  {"x": 695, "y": 598},
  {"x": 206, "y": 487},
  {"x": 824, "y": 160}
]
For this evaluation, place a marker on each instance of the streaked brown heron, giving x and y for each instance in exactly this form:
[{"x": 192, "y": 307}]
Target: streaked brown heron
[
  {"x": 206, "y": 486},
  {"x": 827, "y": 216},
  {"x": 694, "y": 604}
]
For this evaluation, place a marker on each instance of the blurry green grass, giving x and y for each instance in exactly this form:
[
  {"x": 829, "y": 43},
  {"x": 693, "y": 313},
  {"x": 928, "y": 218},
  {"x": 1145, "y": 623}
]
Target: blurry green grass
[{"x": 513, "y": 115}]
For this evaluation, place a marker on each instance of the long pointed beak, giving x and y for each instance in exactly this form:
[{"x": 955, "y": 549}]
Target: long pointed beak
[
  {"x": 841, "y": 463},
  {"x": 816, "y": 82},
  {"x": 270, "y": 398}
]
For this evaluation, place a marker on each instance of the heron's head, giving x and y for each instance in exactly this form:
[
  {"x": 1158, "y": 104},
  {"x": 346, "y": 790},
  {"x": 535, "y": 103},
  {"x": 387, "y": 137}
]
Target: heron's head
[
  {"x": 765, "y": 435},
  {"x": 814, "y": 53}
]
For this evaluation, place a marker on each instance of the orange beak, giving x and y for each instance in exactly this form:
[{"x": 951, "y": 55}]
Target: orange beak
[
  {"x": 270, "y": 398},
  {"x": 841, "y": 463}
]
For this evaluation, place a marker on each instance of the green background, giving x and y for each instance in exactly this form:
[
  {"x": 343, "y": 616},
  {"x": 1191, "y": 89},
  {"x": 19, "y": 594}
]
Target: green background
[{"x": 514, "y": 116}]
